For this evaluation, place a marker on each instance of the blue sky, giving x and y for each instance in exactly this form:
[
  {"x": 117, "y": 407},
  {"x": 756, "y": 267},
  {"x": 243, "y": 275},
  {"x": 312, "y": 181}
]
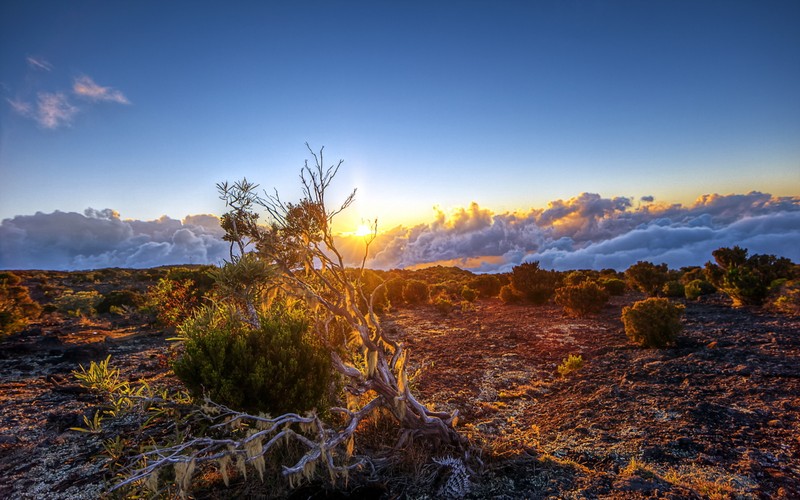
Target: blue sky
[{"x": 508, "y": 104}]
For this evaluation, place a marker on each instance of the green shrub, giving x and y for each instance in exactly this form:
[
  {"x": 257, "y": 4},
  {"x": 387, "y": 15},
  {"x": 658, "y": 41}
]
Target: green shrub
[
  {"x": 119, "y": 298},
  {"x": 746, "y": 280},
  {"x": 275, "y": 369},
  {"x": 647, "y": 277},
  {"x": 786, "y": 298},
  {"x": 16, "y": 306},
  {"x": 582, "y": 299},
  {"x": 654, "y": 322},
  {"x": 535, "y": 285},
  {"x": 673, "y": 289},
  {"x": 578, "y": 277},
  {"x": 509, "y": 295},
  {"x": 416, "y": 292},
  {"x": 78, "y": 303},
  {"x": 468, "y": 294},
  {"x": 487, "y": 285},
  {"x": 689, "y": 274},
  {"x": 696, "y": 288},
  {"x": 614, "y": 286},
  {"x": 173, "y": 301},
  {"x": 443, "y": 305},
  {"x": 571, "y": 364}
]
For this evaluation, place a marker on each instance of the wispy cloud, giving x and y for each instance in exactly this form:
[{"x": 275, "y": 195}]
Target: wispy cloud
[
  {"x": 20, "y": 107},
  {"x": 85, "y": 87},
  {"x": 39, "y": 64},
  {"x": 54, "y": 110}
]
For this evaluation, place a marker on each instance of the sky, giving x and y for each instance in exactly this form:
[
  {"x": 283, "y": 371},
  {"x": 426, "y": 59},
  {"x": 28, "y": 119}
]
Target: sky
[{"x": 564, "y": 131}]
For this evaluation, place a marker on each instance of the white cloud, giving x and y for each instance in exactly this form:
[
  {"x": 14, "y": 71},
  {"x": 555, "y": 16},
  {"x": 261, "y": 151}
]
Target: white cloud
[
  {"x": 589, "y": 231},
  {"x": 99, "y": 238},
  {"x": 85, "y": 87},
  {"x": 54, "y": 110}
]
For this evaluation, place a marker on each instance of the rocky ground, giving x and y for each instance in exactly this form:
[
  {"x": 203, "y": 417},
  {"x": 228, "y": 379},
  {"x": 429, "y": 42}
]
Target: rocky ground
[{"x": 715, "y": 417}]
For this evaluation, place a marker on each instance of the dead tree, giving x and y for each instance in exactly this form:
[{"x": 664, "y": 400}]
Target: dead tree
[{"x": 300, "y": 243}]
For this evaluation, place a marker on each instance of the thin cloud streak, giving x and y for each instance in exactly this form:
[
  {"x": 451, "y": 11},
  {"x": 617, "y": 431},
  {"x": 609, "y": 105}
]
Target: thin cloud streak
[
  {"x": 85, "y": 87},
  {"x": 39, "y": 64},
  {"x": 54, "y": 110}
]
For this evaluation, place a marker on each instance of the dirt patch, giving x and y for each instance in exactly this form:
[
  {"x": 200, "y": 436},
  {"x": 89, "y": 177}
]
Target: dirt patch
[{"x": 716, "y": 416}]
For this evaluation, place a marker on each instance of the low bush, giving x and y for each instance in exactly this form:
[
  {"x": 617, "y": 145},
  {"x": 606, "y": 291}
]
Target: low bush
[
  {"x": 119, "y": 298},
  {"x": 510, "y": 296},
  {"x": 276, "y": 369},
  {"x": 614, "y": 286},
  {"x": 571, "y": 364},
  {"x": 17, "y": 308},
  {"x": 696, "y": 288},
  {"x": 78, "y": 303},
  {"x": 647, "y": 277},
  {"x": 654, "y": 322},
  {"x": 416, "y": 292},
  {"x": 173, "y": 301},
  {"x": 443, "y": 305},
  {"x": 673, "y": 289},
  {"x": 534, "y": 284},
  {"x": 487, "y": 285},
  {"x": 394, "y": 291},
  {"x": 746, "y": 280},
  {"x": 786, "y": 299},
  {"x": 468, "y": 294},
  {"x": 582, "y": 299}
]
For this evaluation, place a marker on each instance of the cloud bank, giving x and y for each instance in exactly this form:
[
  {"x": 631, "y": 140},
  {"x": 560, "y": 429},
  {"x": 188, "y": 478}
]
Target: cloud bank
[
  {"x": 99, "y": 238},
  {"x": 584, "y": 232},
  {"x": 591, "y": 232}
]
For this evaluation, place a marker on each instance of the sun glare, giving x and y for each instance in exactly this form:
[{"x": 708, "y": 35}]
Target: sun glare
[{"x": 363, "y": 230}]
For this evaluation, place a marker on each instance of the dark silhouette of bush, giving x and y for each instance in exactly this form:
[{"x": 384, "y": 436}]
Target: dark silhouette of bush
[
  {"x": 654, "y": 322},
  {"x": 394, "y": 291},
  {"x": 275, "y": 369},
  {"x": 696, "y": 288},
  {"x": 17, "y": 308},
  {"x": 647, "y": 277},
  {"x": 689, "y": 274},
  {"x": 416, "y": 292},
  {"x": 119, "y": 298},
  {"x": 746, "y": 280},
  {"x": 582, "y": 299},
  {"x": 534, "y": 284},
  {"x": 578, "y": 277},
  {"x": 487, "y": 285},
  {"x": 673, "y": 289}
]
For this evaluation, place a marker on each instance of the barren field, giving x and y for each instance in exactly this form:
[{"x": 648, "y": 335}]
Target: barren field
[{"x": 715, "y": 417}]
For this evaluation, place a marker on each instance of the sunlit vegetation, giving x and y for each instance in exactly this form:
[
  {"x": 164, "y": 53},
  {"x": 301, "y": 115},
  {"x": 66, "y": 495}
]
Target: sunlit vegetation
[
  {"x": 654, "y": 322},
  {"x": 582, "y": 299},
  {"x": 533, "y": 284},
  {"x": 571, "y": 364},
  {"x": 17, "y": 308},
  {"x": 747, "y": 280},
  {"x": 647, "y": 277}
]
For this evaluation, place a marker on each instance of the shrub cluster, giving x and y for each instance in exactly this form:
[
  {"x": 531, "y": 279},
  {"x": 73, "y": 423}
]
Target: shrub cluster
[
  {"x": 120, "y": 298},
  {"x": 654, "y": 322},
  {"x": 416, "y": 292},
  {"x": 746, "y": 280},
  {"x": 614, "y": 286},
  {"x": 487, "y": 285},
  {"x": 582, "y": 299},
  {"x": 78, "y": 303},
  {"x": 16, "y": 306},
  {"x": 276, "y": 368},
  {"x": 673, "y": 288},
  {"x": 698, "y": 287},
  {"x": 647, "y": 277},
  {"x": 534, "y": 284}
]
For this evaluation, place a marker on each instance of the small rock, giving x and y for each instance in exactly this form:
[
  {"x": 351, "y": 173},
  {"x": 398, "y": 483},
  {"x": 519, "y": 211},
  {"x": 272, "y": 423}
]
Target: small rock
[
  {"x": 8, "y": 439},
  {"x": 712, "y": 345},
  {"x": 775, "y": 423}
]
